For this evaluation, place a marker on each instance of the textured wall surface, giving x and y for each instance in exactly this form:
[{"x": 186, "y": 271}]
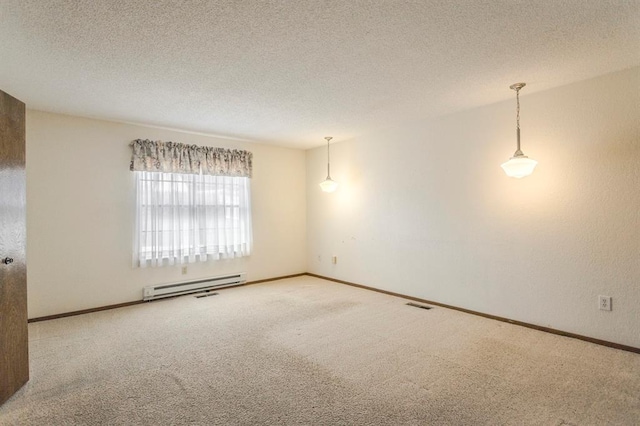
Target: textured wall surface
[
  {"x": 425, "y": 209},
  {"x": 81, "y": 206}
]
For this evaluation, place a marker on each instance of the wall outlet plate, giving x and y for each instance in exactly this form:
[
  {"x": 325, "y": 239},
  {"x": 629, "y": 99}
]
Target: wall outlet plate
[
  {"x": 334, "y": 259},
  {"x": 604, "y": 303}
]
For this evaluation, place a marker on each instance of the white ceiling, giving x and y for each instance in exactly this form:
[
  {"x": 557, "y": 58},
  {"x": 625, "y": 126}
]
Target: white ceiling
[{"x": 290, "y": 72}]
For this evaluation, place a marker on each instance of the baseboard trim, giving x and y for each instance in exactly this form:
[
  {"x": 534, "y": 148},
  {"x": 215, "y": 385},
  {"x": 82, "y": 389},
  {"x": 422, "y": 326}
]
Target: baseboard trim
[
  {"x": 494, "y": 317},
  {"x": 137, "y": 302},
  {"x": 85, "y": 311},
  {"x": 284, "y": 277}
]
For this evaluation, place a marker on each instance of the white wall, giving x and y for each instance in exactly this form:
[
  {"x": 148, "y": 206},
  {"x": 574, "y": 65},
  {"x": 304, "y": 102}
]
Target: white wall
[
  {"x": 80, "y": 213},
  {"x": 425, "y": 209}
]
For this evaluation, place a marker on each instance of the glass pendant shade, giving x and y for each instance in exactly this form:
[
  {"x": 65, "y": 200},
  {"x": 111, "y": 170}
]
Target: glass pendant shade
[
  {"x": 519, "y": 167},
  {"x": 329, "y": 185}
]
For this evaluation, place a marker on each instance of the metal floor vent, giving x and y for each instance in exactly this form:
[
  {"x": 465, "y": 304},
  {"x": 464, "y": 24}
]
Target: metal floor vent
[
  {"x": 415, "y": 305},
  {"x": 206, "y": 294}
]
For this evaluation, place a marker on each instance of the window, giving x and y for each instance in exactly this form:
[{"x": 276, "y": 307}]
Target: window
[
  {"x": 192, "y": 202},
  {"x": 184, "y": 218}
]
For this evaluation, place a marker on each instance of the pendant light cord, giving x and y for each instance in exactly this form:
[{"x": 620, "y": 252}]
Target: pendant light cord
[
  {"x": 517, "y": 87},
  {"x": 328, "y": 158},
  {"x": 518, "y": 119}
]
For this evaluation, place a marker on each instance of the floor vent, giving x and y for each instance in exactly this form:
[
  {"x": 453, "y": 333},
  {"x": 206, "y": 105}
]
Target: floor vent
[
  {"x": 206, "y": 294},
  {"x": 415, "y": 305}
]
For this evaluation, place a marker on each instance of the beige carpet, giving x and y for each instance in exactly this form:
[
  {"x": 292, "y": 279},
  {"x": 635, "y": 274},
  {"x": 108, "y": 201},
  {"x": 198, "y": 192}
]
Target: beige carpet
[{"x": 309, "y": 351}]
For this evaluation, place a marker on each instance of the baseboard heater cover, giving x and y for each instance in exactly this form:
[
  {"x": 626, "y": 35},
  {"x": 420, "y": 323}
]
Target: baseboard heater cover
[{"x": 153, "y": 292}]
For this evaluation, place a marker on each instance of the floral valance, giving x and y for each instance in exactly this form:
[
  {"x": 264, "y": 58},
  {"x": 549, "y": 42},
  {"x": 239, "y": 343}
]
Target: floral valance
[{"x": 172, "y": 157}]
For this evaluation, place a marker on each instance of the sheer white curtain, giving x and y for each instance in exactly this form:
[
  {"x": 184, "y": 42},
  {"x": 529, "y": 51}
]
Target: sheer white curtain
[{"x": 184, "y": 218}]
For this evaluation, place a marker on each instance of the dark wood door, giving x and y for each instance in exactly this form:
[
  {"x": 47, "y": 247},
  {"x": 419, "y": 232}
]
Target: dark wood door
[{"x": 14, "y": 351}]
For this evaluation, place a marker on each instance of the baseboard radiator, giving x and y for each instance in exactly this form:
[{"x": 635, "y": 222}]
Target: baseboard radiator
[{"x": 153, "y": 292}]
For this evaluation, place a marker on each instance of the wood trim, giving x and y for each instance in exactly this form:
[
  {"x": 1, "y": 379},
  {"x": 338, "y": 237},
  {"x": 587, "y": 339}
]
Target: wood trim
[
  {"x": 276, "y": 278},
  {"x": 137, "y": 302},
  {"x": 493, "y": 317},
  {"x": 85, "y": 311}
]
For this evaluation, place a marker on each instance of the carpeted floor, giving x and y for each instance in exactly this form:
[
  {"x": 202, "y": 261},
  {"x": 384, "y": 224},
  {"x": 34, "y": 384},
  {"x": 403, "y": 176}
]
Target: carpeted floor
[{"x": 308, "y": 351}]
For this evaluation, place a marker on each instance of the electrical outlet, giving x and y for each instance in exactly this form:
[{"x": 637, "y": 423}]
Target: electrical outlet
[
  {"x": 334, "y": 259},
  {"x": 604, "y": 303},
  {"x": 184, "y": 270}
]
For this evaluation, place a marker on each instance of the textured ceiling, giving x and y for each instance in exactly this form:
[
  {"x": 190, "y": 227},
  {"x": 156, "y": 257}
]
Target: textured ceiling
[{"x": 291, "y": 72}]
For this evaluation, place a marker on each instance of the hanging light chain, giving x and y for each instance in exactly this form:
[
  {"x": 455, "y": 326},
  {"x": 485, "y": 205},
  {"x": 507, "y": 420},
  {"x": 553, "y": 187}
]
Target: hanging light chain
[
  {"x": 518, "y": 117},
  {"x": 328, "y": 138},
  {"x": 517, "y": 88},
  {"x": 518, "y": 108}
]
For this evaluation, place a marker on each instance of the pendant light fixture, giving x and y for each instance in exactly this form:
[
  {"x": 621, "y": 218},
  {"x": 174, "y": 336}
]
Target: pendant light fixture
[
  {"x": 328, "y": 185},
  {"x": 519, "y": 165}
]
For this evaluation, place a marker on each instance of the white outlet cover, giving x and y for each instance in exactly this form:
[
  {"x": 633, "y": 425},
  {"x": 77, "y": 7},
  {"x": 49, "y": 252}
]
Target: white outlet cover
[{"x": 604, "y": 303}]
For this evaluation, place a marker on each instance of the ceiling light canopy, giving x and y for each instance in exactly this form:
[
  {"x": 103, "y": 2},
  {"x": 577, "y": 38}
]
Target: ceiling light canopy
[
  {"x": 328, "y": 185},
  {"x": 519, "y": 165}
]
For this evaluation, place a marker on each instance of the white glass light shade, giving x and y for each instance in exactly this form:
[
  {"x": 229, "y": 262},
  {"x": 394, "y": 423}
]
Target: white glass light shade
[
  {"x": 519, "y": 167},
  {"x": 329, "y": 185}
]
